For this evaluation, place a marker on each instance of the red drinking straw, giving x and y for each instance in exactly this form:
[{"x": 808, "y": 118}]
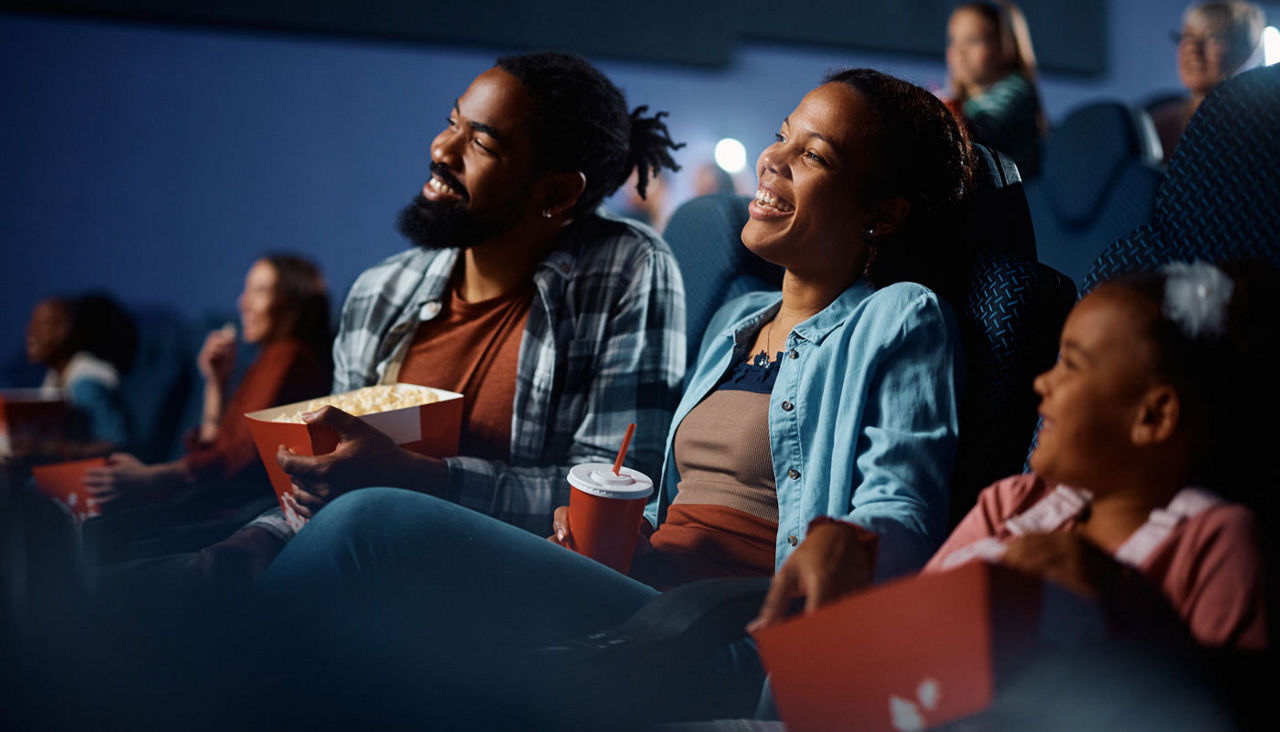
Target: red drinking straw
[{"x": 626, "y": 442}]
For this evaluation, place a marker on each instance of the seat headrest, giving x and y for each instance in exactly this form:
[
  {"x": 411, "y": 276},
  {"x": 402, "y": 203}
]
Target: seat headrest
[
  {"x": 1087, "y": 151},
  {"x": 998, "y": 218}
]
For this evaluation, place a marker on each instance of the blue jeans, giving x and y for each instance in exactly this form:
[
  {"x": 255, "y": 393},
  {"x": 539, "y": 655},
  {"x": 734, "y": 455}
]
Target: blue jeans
[{"x": 433, "y": 609}]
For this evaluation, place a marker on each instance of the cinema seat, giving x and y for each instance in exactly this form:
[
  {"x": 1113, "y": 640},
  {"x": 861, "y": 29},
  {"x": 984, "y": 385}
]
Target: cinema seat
[
  {"x": 1098, "y": 181},
  {"x": 1220, "y": 199}
]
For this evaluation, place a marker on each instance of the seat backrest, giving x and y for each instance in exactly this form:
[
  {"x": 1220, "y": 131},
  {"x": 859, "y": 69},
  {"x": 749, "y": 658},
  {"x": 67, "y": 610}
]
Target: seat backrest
[
  {"x": 158, "y": 386},
  {"x": 1220, "y": 199},
  {"x": 705, "y": 236},
  {"x": 1010, "y": 319},
  {"x": 1099, "y": 180}
]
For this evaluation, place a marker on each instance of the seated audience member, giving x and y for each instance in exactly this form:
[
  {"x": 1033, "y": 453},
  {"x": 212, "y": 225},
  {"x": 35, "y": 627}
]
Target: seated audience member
[
  {"x": 559, "y": 323},
  {"x": 87, "y": 343},
  {"x": 284, "y": 309},
  {"x": 836, "y": 397},
  {"x": 992, "y": 79},
  {"x": 1216, "y": 41},
  {"x": 1146, "y": 435}
]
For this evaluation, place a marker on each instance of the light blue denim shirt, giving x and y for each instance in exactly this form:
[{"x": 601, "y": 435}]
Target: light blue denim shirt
[{"x": 862, "y": 419}]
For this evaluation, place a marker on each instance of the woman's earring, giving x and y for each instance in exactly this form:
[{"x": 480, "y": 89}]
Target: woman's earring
[{"x": 871, "y": 231}]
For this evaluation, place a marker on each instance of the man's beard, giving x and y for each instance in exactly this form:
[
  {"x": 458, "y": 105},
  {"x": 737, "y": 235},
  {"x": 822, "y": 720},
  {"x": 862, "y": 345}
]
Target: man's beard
[{"x": 431, "y": 225}]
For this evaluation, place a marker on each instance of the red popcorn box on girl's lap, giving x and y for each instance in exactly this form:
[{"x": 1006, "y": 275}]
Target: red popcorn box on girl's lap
[
  {"x": 418, "y": 418},
  {"x": 907, "y": 655},
  {"x": 65, "y": 482},
  {"x": 30, "y": 415}
]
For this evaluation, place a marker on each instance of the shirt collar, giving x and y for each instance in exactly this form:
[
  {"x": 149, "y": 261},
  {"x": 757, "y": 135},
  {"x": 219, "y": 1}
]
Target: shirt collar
[{"x": 815, "y": 329}]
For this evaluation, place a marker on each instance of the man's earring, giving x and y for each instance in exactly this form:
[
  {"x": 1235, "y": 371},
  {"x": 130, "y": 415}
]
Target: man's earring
[{"x": 546, "y": 213}]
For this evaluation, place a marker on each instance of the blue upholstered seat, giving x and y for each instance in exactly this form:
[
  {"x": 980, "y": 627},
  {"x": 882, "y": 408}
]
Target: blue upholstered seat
[
  {"x": 1099, "y": 179},
  {"x": 1220, "y": 199}
]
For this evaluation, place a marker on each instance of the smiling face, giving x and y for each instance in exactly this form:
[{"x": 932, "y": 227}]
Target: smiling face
[
  {"x": 1204, "y": 53},
  {"x": 257, "y": 303},
  {"x": 482, "y": 167},
  {"x": 809, "y": 211},
  {"x": 1090, "y": 399},
  {"x": 974, "y": 57}
]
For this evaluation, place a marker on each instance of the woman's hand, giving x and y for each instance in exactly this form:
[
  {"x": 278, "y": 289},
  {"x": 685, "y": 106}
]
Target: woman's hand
[
  {"x": 560, "y": 527},
  {"x": 125, "y": 474},
  {"x": 363, "y": 457},
  {"x": 834, "y": 559},
  {"x": 1066, "y": 558},
  {"x": 218, "y": 356}
]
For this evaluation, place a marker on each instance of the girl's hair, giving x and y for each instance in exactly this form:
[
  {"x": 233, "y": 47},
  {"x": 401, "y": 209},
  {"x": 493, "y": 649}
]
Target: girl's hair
[
  {"x": 1224, "y": 376},
  {"x": 1016, "y": 53},
  {"x": 919, "y": 153},
  {"x": 300, "y": 303},
  {"x": 99, "y": 325},
  {"x": 580, "y": 123}
]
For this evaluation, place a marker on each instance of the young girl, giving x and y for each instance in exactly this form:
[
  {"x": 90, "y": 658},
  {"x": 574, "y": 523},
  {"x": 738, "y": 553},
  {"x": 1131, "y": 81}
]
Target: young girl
[
  {"x": 1144, "y": 431},
  {"x": 991, "y": 72}
]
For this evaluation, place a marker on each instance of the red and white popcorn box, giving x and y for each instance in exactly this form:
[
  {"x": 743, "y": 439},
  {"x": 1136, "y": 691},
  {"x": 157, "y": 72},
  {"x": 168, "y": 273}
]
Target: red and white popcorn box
[
  {"x": 429, "y": 429},
  {"x": 907, "y": 655},
  {"x": 64, "y": 482}
]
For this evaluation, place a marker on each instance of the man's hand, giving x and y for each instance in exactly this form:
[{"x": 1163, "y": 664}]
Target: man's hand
[
  {"x": 835, "y": 559},
  {"x": 237, "y": 561},
  {"x": 217, "y": 356},
  {"x": 1066, "y": 558},
  {"x": 363, "y": 457}
]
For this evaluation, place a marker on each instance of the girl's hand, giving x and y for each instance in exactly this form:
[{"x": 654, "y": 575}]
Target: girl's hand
[
  {"x": 1066, "y": 558},
  {"x": 834, "y": 559}
]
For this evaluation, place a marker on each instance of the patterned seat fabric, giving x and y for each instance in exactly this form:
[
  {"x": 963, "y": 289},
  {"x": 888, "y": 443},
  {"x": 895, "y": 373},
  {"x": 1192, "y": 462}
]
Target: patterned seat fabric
[
  {"x": 1012, "y": 316},
  {"x": 1010, "y": 319},
  {"x": 1220, "y": 200}
]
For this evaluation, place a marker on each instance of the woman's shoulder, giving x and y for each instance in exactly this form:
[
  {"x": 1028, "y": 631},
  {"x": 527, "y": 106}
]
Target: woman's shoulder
[{"x": 906, "y": 306}]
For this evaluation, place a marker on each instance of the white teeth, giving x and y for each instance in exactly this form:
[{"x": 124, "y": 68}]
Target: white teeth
[
  {"x": 440, "y": 186},
  {"x": 767, "y": 199}
]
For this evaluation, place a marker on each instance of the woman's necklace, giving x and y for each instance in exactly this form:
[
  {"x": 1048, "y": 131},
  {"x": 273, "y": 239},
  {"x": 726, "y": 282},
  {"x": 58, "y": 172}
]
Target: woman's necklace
[{"x": 762, "y": 358}]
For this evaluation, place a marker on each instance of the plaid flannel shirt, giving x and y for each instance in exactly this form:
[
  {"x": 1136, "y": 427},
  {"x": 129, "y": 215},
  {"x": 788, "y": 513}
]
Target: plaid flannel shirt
[{"x": 604, "y": 345}]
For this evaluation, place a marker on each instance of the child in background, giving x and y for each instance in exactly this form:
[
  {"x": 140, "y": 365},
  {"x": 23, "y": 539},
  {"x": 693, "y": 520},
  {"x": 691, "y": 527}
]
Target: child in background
[
  {"x": 1152, "y": 421},
  {"x": 87, "y": 343},
  {"x": 991, "y": 70}
]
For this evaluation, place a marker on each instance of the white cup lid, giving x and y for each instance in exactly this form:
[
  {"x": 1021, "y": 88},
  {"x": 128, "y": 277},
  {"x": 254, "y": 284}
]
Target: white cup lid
[{"x": 598, "y": 479}]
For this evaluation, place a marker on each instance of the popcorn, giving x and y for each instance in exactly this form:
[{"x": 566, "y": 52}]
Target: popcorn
[{"x": 368, "y": 400}]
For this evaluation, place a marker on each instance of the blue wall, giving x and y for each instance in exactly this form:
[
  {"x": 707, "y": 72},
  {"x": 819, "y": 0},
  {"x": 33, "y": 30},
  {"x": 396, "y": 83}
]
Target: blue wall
[{"x": 157, "y": 162}]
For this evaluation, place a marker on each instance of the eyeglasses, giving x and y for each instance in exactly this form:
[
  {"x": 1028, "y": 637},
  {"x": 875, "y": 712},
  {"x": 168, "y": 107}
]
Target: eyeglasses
[{"x": 1191, "y": 39}]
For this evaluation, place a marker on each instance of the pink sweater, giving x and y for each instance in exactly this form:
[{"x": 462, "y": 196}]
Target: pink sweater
[{"x": 1206, "y": 557}]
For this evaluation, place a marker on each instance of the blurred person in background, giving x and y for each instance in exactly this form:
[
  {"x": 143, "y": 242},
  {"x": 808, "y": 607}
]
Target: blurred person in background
[
  {"x": 284, "y": 309},
  {"x": 86, "y": 342},
  {"x": 1217, "y": 41},
  {"x": 991, "y": 70}
]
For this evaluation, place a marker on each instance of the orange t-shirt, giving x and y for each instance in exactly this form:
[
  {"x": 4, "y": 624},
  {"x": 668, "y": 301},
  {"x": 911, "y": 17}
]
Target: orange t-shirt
[{"x": 473, "y": 348}]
